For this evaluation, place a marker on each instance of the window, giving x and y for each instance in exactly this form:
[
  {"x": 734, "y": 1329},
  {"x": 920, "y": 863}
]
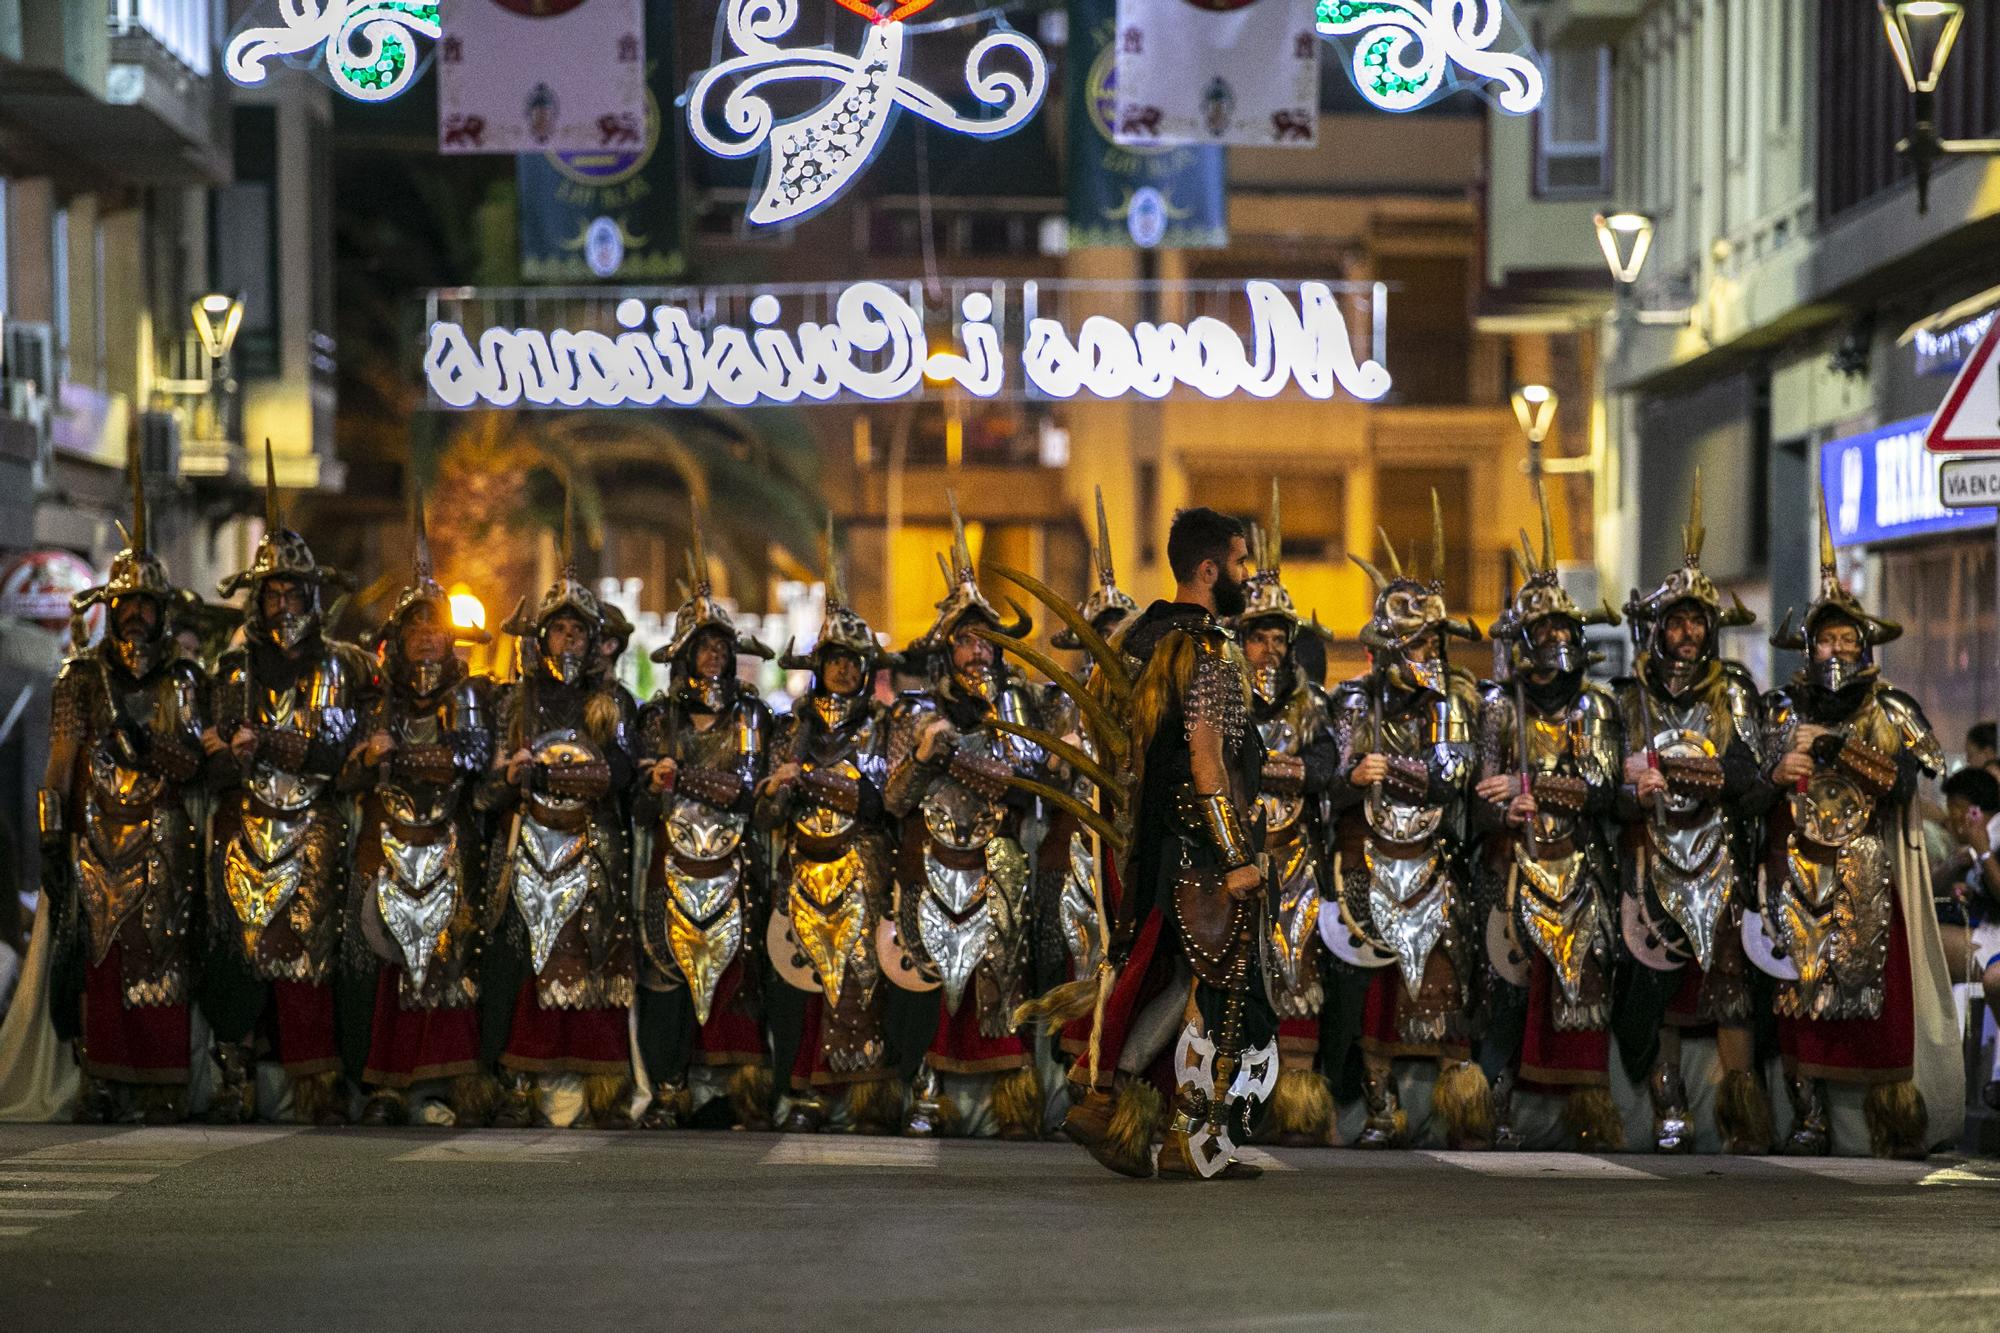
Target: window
[
  {"x": 1315, "y": 507},
  {"x": 243, "y": 233},
  {"x": 1573, "y": 127}
]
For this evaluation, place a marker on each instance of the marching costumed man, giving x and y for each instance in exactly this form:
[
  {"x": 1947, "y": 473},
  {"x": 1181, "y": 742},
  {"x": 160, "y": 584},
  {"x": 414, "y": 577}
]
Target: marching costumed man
[
  {"x": 1292, "y": 720},
  {"x": 1550, "y": 755},
  {"x": 962, "y": 903},
  {"x": 1863, "y": 999},
  {"x": 1178, "y": 783},
  {"x": 423, "y": 743},
  {"x": 1692, "y": 776},
  {"x": 702, "y": 910},
  {"x": 1069, "y": 874},
  {"x": 285, "y": 706},
  {"x": 120, "y": 849},
  {"x": 1401, "y": 925},
  {"x": 832, "y": 886},
  {"x": 558, "y": 970}
]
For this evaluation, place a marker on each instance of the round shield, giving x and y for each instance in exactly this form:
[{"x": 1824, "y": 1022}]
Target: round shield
[
  {"x": 898, "y": 964},
  {"x": 1346, "y": 943},
  {"x": 789, "y": 960},
  {"x": 1504, "y": 952}
]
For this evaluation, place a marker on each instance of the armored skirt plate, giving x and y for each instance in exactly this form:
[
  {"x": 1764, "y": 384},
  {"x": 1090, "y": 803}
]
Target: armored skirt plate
[
  {"x": 828, "y": 906},
  {"x": 551, "y": 880},
  {"x": 415, "y": 894},
  {"x": 1559, "y": 914}
]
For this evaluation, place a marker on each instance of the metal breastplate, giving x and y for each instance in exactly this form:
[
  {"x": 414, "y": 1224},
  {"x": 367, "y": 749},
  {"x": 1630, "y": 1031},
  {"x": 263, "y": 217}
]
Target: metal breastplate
[
  {"x": 1293, "y": 934},
  {"x": 1832, "y": 919},
  {"x": 1689, "y": 867},
  {"x": 416, "y": 894},
  {"x": 551, "y": 878},
  {"x": 955, "y": 921},
  {"x": 959, "y": 818},
  {"x": 1409, "y": 898},
  {"x": 1559, "y": 914},
  {"x": 700, "y": 832},
  {"x": 284, "y": 708},
  {"x": 1280, "y": 737},
  {"x": 828, "y": 905},
  {"x": 704, "y": 927},
  {"x": 813, "y": 820},
  {"x": 1549, "y": 753},
  {"x": 262, "y": 868},
  {"x": 421, "y": 804},
  {"x": 113, "y": 860}
]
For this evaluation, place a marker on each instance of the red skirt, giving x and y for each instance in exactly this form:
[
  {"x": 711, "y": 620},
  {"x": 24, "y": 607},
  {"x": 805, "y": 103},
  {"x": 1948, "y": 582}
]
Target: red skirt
[
  {"x": 567, "y": 1041},
  {"x": 732, "y": 1035},
  {"x": 412, "y": 1045},
  {"x": 960, "y": 1048},
  {"x": 300, "y": 1030},
  {"x": 127, "y": 1045},
  {"x": 1553, "y": 1059},
  {"x": 1862, "y": 1050},
  {"x": 1147, "y": 972}
]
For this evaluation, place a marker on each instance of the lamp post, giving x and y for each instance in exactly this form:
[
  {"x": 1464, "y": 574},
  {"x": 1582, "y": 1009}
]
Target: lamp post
[
  {"x": 217, "y": 319},
  {"x": 1535, "y": 409},
  {"x": 1921, "y": 35}
]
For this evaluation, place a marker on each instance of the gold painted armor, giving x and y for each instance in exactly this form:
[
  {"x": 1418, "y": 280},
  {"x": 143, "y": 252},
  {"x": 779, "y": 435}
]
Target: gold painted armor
[{"x": 1294, "y": 834}]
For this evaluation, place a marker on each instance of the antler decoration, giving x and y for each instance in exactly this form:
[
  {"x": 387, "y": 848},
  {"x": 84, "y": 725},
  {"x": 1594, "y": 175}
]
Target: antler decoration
[{"x": 1693, "y": 534}]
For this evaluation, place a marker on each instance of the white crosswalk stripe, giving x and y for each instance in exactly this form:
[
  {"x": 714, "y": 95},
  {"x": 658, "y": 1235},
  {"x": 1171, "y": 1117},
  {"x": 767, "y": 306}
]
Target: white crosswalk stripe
[
  {"x": 803, "y": 1150},
  {"x": 1540, "y": 1165},
  {"x": 500, "y": 1145},
  {"x": 82, "y": 1171},
  {"x": 1854, "y": 1170}
]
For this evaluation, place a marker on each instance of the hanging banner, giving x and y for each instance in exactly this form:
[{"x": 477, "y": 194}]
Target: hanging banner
[
  {"x": 1175, "y": 196},
  {"x": 596, "y": 216},
  {"x": 542, "y": 76},
  {"x": 1217, "y": 72}
]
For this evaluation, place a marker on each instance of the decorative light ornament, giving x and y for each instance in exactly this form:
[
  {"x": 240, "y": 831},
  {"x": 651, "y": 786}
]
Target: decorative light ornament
[
  {"x": 1626, "y": 239},
  {"x": 1535, "y": 409},
  {"x": 1409, "y": 52},
  {"x": 217, "y": 317},
  {"x": 1921, "y": 33},
  {"x": 369, "y": 46},
  {"x": 815, "y": 156}
]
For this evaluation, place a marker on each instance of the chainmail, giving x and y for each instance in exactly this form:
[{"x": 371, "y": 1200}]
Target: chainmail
[{"x": 1215, "y": 696}]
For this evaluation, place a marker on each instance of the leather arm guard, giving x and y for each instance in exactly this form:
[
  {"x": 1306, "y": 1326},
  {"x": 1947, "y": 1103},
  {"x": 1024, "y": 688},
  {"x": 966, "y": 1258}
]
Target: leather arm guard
[
  {"x": 1215, "y": 815},
  {"x": 1282, "y": 778},
  {"x": 435, "y": 764},
  {"x": 710, "y": 786},
  {"x": 1695, "y": 777},
  {"x": 175, "y": 759},
  {"x": 49, "y": 815},
  {"x": 1408, "y": 780},
  {"x": 832, "y": 791},
  {"x": 1872, "y": 768},
  {"x": 980, "y": 774},
  {"x": 283, "y": 748},
  {"x": 585, "y": 781},
  {"x": 1561, "y": 793}
]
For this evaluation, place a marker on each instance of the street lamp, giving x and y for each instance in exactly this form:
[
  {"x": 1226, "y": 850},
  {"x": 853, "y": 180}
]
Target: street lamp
[
  {"x": 1626, "y": 239},
  {"x": 1922, "y": 34},
  {"x": 217, "y": 318}
]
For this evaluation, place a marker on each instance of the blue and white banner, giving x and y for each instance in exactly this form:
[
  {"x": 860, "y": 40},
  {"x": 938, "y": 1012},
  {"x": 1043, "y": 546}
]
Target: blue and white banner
[{"x": 1883, "y": 486}]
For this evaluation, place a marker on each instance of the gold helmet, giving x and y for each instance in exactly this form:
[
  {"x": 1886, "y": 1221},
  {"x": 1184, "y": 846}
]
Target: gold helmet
[
  {"x": 566, "y": 596},
  {"x": 1108, "y": 603},
  {"x": 1264, "y": 595},
  {"x": 1540, "y": 597},
  {"x": 841, "y": 627},
  {"x": 1835, "y": 602},
  {"x": 281, "y": 554},
  {"x": 962, "y": 597},
  {"x": 1685, "y": 585},
  {"x": 135, "y": 572},
  {"x": 424, "y": 589},
  {"x": 1409, "y": 609},
  {"x": 701, "y": 611}
]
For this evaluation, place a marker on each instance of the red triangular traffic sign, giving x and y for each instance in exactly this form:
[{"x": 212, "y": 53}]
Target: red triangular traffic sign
[{"x": 1969, "y": 421}]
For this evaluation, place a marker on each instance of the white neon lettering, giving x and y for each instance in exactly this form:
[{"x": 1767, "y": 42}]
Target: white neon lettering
[{"x": 874, "y": 348}]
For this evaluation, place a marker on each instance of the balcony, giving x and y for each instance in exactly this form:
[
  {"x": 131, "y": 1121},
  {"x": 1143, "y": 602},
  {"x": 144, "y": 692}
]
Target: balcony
[{"x": 129, "y": 96}]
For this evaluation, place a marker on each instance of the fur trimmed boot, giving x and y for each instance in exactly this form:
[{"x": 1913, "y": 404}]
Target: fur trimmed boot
[
  {"x": 1743, "y": 1114},
  {"x": 875, "y": 1106},
  {"x": 1464, "y": 1102},
  {"x": 1116, "y": 1129},
  {"x": 1302, "y": 1110},
  {"x": 1017, "y": 1104},
  {"x": 1387, "y": 1121},
  {"x": 385, "y": 1106},
  {"x": 1591, "y": 1118},
  {"x": 607, "y": 1101},
  {"x": 318, "y": 1099},
  {"x": 750, "y": 1096},
  {"x": 517, "y": 1100},
  {"x": 474, "y": 1099},
  {"x": 806, "y": 1116},
  {"x": 1898, "y": 1121}
]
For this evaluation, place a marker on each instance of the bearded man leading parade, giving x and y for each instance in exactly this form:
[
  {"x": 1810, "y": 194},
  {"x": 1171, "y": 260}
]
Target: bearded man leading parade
[
  {"x": 832, "y": 886},
  {"x": 962, "y": 902},
  {"x": 120, "y": 850},
  {"x": 705, "y": 899},
  {"x": 1691, "y": 796},
  {"x": 1549, "y": 759},
  {"x": 1845, "y": 922},
  {"x": 1294, "y": 724},
  {"x": 1401, "y": 926},
  {"x": 1169, "y": 711},
  {"x": 425, "y": 740},
  {"x": 559, "y": 964},
  {"x": 285, "y": 707}
]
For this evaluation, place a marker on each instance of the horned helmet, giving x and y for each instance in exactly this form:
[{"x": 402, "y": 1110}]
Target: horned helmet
[
  {"x": 702, "y": 615},
  {"x": 842, "y": 631},
  {"x": 565, "y": 597},
  {"x": 1409, "y": 611},
  {"x": 281, "y": 554},
  {"x": 423, "y": 597},
  {"x": 1542, "y": 597},
  {"x": 1108, "y": 605},
  {"x": 135, "y": 573},
  {"x": 962, "y": 601},
  {"x": 1685, "y": 586},
  {"x": 1835, "y": 604},
  {"x": 1267, "y": 604}
]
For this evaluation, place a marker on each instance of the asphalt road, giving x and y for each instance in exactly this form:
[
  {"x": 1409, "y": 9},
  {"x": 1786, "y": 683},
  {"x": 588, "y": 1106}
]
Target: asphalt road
[{"x": 280, "y": 1229}]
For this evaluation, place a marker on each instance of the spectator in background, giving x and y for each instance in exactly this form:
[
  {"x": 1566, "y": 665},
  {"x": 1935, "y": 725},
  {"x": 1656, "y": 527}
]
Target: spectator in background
[
  {"x": 1966, "y": 888},
  {"x": 1982, "y": 748}
]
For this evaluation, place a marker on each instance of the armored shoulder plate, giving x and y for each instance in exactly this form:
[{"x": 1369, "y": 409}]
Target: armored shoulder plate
[
  {"x": 1739, "y": 698},
  {"x": 1908, "y": 718},
  {"x": 1596, "y": 737},
  {"x": 1780, "y": 719}
]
